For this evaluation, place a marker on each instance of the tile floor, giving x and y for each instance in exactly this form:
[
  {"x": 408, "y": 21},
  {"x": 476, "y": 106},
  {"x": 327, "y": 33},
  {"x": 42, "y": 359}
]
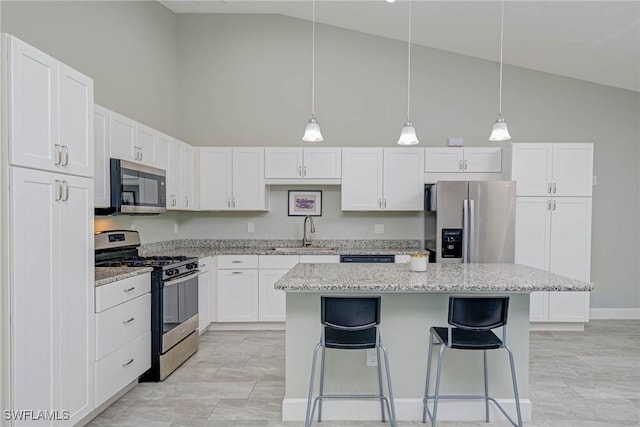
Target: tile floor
[{"x": 578, "y": 379}]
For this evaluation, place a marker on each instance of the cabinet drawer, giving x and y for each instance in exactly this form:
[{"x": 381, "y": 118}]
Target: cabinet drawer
[
  {"x": 205, "y": 264},
  {"x": 121, "y": 367},
  {"x": 278, "y": 261},
  {"x": 115, "y": 293},
  {"x": 121, "y": 324},
  {"x": 237, "y": 261}
]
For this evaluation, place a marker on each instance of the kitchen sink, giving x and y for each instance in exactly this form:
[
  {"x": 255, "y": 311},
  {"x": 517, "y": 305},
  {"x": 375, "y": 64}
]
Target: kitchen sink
[{"x": 305, "y": 249}]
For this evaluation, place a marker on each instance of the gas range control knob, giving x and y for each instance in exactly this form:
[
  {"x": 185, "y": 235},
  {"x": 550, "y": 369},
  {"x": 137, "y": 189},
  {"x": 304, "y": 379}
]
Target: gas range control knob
[
  {"x": 192, "y": 265},
  {"x": 172, "y": 272}
]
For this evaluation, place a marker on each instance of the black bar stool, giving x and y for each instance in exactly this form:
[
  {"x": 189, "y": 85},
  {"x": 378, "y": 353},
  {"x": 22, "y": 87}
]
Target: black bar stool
[
  {"x": 350, "y": 323},
  {"x": 471, "y": 320}
]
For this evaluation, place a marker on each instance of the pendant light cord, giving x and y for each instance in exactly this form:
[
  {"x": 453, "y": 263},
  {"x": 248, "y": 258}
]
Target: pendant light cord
[
  {"x": 409, "y": 66},
  {"x": 501, "y": 43},
  {"x": 313, "y": 57}
]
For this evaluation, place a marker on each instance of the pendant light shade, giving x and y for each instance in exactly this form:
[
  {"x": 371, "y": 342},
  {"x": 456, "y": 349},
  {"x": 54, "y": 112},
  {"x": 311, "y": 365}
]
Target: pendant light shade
[
  {"x": 408, "y": 133},
  {"x": 312, "y": 131},
  {"x": 499, "y": 131}
]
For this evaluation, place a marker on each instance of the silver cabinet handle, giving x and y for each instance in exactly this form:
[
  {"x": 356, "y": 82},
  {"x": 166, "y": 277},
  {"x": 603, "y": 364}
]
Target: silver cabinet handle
[
  {"x": 465, "y": 165},
  {"x": 233, "y": 202},
  {"x": 124, "y": 365},
  {"x": 126, "y": 322},
  {"x": 141, "y": 154},
  {"x": 385, "y": 202},
  {"x": 304, "y": 171},
  {"x": 186, "y": 201},
  {"x": 58, "y": 190},
  {"x": 65, "y": 184},
  {"x": 554, "y": 205},
  {"x": 228, "y": 202},
  {"x": 548, "y": 205},
  {"x": 460, "y": 164},
  {"x": 236, "y": 272},
  {"x": 554, "y": 188},
  {"x": 380, "y": 203},
  {"x": 549, "y": 188},
  {"x": 58, "y": 154},
  {"x": 130, "y": 289},
  {"x": 299, "y": 170},
  {"x": 65, "y": 155},
  {"x": 237, "y": 262}
]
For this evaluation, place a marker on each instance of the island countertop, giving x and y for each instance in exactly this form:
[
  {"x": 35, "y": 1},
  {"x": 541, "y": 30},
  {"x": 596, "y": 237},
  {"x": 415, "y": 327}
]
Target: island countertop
[{"x": 438, "y": 278}]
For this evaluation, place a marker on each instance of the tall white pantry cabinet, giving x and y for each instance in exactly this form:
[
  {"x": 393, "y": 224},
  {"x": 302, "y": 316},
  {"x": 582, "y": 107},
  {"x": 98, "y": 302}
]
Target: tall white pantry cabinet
[
  {"x": 49, "y": 122},
  {"x": 553, "y": 222}
]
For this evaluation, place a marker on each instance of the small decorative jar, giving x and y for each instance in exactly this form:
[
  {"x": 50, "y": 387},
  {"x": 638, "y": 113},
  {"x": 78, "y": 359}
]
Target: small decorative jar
[{"x": 419, "y": 262}]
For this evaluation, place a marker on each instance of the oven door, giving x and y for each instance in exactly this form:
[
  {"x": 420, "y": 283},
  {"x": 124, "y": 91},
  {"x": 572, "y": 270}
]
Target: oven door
[
  {"x": 179, "y": 309},
  {"x": 137, "y": 188}
]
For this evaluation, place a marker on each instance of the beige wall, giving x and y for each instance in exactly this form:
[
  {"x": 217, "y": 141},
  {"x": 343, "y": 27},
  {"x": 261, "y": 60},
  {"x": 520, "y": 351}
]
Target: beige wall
[
  {"x": 127, "y": 47},
  {"x": 245, "y": 80}
]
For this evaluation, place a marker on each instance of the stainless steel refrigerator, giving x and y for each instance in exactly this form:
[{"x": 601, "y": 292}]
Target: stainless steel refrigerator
[{"x": 471, "y": 221}]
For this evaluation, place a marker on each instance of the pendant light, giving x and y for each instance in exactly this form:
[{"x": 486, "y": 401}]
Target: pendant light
[
  {"x": 408, "y": 133},
  {"x": 499, "y": 131},
  {"x": 312, "y": 131}
]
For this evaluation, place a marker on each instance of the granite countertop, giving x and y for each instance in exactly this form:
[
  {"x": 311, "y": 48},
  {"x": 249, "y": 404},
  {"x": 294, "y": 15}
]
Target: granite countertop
[
  {"x": 205, "y": 252},
  {"x": 437, "y": 278},
  {"x": 106, "y": 275}
]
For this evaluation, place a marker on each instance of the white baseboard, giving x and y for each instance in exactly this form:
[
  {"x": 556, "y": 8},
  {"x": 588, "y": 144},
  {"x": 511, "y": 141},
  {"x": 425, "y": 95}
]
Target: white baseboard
[
  {"x": 406, "y": 410},
  {"x": 247, "y": 326},
  {"x": 556, "y": 326},
  {"x": 614, "y": 313}
]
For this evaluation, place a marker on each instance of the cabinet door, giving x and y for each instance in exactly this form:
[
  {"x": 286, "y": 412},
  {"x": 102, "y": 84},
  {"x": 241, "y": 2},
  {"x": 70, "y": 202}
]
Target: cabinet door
[
  {"x": 569, "y": 306},
  {"x": 539, "y": 306},
  {"x": 102, "y": 174},
  {"x": 75, "y": 121},
  {"x": 571, "y": 237},
  {"x": 273, "y": 305},
  {"x": 361, "y": 179},
  {"x": 215, "y": 178},
  {"x": 75, "y": 272},
  {"x": 443, "y": 159},
  {"x": 188, "y": 182},
  {"x": 572, "y": 169},
  {"x": 147, "y": 143},
  {"x": 533, "y": 231},
  {"x": 283, "y": 163},
  {"x": 531, "y": 167},
  {"x": 482, "y": 159},
  {"x": 33, "y": 102},
  {"x": 204, "y": 298},
  {"x": 248, "y": 179},
  {"x": 237, "y": 295},
  {"x": 34, "y": 296},
  {"x": 174, "y": 173},
  {"x": 123, "y": 137},
  {"x": 322, "y": 163},
  {"x": 403, "y": 179}
]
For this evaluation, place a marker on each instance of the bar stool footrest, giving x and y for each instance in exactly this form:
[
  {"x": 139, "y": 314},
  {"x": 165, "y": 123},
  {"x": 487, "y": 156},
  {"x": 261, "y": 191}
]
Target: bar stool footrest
[{"x": 426, "y": 399}]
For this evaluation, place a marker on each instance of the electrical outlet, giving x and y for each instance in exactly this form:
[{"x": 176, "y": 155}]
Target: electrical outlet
[
  {"x": 378, "y": 229},
  {"x": 372, "y": 357},
  {"x": 175, "y": 227},
  {"x": 251, "y": 227},
  {"x": 133, "y": 227}
]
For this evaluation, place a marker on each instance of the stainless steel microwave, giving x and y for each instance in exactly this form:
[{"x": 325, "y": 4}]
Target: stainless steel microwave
[{"x": 136, "y": 189}]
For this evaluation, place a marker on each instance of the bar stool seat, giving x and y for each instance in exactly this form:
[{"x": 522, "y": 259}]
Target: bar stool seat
[
  {"x": 350, "y": 323},
  {"x": 471, "y": 322}
]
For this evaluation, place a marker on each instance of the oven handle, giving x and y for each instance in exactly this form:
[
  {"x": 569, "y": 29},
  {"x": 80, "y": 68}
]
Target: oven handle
[{"x": 181, "y": 279}]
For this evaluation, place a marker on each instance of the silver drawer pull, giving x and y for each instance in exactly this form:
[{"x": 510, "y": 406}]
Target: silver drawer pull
[
  {"x": 129, "y": 321},
  {"x": 237, "y": 272},
  {"x": 129, "y": 290},
  {"x": 237, "y": 262},
  {"x": 128, "y": 363}
]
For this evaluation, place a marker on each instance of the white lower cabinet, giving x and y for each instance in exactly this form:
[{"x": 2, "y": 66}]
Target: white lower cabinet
[
  {"x": 237, "y": 288},
  {"x": 123, "y": 334},
  {"x": 272, "y": 302},
  {"x": 204, "y": 294}
]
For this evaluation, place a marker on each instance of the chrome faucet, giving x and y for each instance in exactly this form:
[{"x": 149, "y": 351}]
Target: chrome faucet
[{"x": 306, "y": 241}]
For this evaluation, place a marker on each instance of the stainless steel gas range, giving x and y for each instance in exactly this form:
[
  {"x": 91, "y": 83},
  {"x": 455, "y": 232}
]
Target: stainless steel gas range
[{"x": 174, "y": 299}]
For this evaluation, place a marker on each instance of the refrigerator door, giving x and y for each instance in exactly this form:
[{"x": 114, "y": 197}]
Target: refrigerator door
[
  {"x": 450, "y": 202},
  {"x": 492, "y": 218}
]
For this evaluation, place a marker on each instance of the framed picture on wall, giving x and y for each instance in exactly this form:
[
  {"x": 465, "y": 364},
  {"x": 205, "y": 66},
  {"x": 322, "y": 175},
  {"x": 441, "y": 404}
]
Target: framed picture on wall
[
  {"x": 128, "y": 198},
  {"x": 305, "y": 202}
]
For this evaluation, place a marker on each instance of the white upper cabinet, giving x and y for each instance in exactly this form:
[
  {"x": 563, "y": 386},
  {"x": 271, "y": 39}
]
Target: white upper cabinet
[
  {"x": 553, "y": 169},
  {"x": 463, "y": 159},
  {"x": 232, "y": 179},
  {"x": 383, "y": 179},
  {"x": 102, "y": 172},
  {"x": 170, "y": 159},
  {"x": 51, "y": 120},
  {"x": 188, "y": 182},
  {"x": 133, "y": 141},
  {"x": 296, "y": 163}
]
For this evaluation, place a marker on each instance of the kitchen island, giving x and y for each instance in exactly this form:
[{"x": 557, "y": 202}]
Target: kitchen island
[{"x": 412, "y": 302}]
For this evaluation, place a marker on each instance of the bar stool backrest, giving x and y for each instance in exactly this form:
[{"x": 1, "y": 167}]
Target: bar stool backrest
[
  {"x": 350, "y": 313},
  {"x": 478, "y": 313}
]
